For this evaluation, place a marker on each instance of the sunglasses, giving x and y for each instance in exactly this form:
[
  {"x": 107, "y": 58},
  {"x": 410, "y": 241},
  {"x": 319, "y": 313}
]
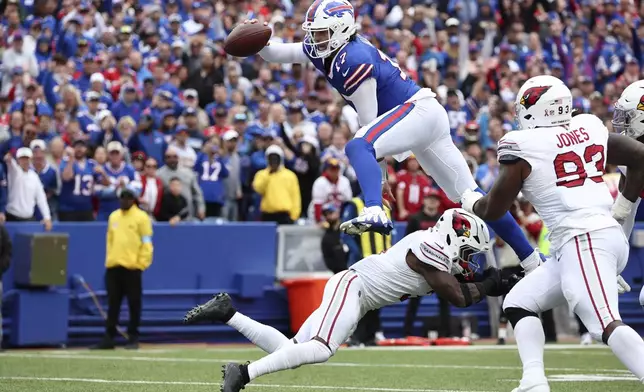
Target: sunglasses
[{"x": 172, "y": 156}]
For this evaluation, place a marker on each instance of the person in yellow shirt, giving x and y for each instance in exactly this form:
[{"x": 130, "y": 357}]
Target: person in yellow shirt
[
  {"x": 128, "y": 253},
  {"x": 279, "y": 188}
]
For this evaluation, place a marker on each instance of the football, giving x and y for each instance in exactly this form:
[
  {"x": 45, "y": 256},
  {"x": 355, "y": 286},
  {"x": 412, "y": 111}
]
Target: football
[{"x": 247, "y": 39}]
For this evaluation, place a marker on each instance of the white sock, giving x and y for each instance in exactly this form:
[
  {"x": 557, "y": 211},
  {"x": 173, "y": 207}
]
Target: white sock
[
  {"x": 503, "y": 333},
  {"x": 531, "y": 341},
  {"x": 267, "y": 338},
  {"x": 628, "y": 346},
  {"x": 290, "y": 357}
]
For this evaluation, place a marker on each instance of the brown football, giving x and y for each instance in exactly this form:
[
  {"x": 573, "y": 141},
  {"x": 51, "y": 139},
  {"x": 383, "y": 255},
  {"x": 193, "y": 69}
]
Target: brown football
[{"x": 247, "y": 39}]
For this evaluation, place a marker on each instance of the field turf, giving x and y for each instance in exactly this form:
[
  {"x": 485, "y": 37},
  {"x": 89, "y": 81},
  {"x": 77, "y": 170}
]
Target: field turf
[{"x": 196, "y": 369}]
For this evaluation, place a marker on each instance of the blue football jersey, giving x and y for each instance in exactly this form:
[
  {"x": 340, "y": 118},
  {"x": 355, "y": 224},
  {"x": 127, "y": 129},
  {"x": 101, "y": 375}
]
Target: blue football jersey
[
  {"x": 76, "y": 194},
  {"x": 211, "y": 174},
  {"x": 108, "y": 200},
  {"x": 358, "y": 61}
]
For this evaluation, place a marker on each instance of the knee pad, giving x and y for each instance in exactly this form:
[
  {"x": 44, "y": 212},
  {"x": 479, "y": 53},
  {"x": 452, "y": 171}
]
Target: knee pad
[
  {"x": 515, "y": 314},
  {"x": 358, "y": 145}
]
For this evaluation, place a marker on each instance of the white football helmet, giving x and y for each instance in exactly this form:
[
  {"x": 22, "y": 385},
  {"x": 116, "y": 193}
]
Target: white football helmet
[
  {"x": 336, "y": 18},
  {"x": 465, "y": 235},
  {"x": 543, "y": 101},
  {"x": 628, "y": 117}
]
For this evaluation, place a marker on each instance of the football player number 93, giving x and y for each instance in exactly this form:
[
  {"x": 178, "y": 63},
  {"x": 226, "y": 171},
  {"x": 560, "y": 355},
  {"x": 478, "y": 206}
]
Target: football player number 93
[{"x": 573, "y": 170}]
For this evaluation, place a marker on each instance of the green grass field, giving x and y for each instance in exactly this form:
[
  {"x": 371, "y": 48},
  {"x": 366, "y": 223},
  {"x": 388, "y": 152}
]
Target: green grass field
[{"x": 188, "y": 368}]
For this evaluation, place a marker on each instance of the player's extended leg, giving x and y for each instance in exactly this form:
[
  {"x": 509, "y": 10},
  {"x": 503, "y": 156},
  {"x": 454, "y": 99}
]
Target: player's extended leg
[
  {"x": 395, "y": 132},
  {"x": 537, "y": 292},
  {"x": 445, "y": 163},
  {"x": 327, "y": 328},
  {"x": 592, "y": 261},
  {"x": 220, "y": 308}
]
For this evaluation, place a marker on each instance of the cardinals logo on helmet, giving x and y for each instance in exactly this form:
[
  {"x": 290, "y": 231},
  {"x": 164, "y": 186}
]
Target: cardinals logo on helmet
[
  {"x": 532, "y": 95},
  {"x": 461, "y": 225},
  {"x": 640, "y": 105}
]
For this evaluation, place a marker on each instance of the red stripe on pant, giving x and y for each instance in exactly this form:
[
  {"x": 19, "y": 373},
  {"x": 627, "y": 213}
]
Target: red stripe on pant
[
  {"x": 583, "y": 273},
  {"x": 592, "y": 254},
  {"x": 373, "y": 132},
  {"x": 331, "y": 303},
  {"x": 346, "y": 291}
]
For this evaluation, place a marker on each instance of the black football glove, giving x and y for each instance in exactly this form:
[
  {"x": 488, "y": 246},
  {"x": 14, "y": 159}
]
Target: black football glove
[{"x": 498, "y": 283}]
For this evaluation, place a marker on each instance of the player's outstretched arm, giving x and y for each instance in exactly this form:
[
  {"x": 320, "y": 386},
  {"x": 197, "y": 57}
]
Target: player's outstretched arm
[
  {"x": 459, "y": 294},
  {"x": 504, "y": 191},
  {"x": 628, "y": 152},
  {"x": 276, "y": 52}
]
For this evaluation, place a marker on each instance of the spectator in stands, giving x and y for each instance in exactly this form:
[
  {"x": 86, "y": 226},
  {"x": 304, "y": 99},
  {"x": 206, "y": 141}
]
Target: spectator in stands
[
  {"x": 412, "y": 185},
  {"x": 211, "y": 172},
  {"x": 48, "y": 177},
  {"x": 138, "y": 161},
  {"x": 333, "y": 250},
  {"x": 330, "y": 187},
  {"x": 5, "y": 262},
  {"x": 190, "y": 189},
  {"x": 128, "y": 254},
  {"x": 278, "y": 188},
  {"x": 17, "y": 56},
  {"x": 307, "y": 168},
  {"x": 3, "y": 195},
  {"x": 78, "y": 177},
  {"x": 26, "y": 190},
  {"x": 232, "y": 183},
  {"x": 186, "y": 153},
  {"x": 151, "y": 188},
  {"x": 119, "y": 174},
  {"x": 174, "y": 207}
]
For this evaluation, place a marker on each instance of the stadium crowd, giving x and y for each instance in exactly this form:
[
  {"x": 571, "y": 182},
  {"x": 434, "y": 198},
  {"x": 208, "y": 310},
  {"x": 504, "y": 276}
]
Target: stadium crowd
[{"x": 97, "y": 94}]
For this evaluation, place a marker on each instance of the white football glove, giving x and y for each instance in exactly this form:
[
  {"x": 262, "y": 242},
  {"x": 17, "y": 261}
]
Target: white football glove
[
  {"x": 622, "y": 286},
  {"x": 469, "y": 198},
  {"x": 531, "y": 262},
  {"x": 622, "y": 208}
]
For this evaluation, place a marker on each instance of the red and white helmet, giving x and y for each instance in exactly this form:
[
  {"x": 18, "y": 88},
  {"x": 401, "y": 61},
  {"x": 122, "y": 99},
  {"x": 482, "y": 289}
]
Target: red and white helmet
[
  {"x": 628, "y": 117},
  {"x": 465, "y": 235},
  {"x": 543, "y": 101},
  {"x": 337, "y": 18}
]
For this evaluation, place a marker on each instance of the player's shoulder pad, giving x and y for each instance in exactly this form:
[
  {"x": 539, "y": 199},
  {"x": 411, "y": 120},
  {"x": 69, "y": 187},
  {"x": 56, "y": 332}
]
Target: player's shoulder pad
[
  {"x": 354, "y": 65},
  {"x": 509, "y": 147},
  {"x": 589, "y": 122},
  {"x": 429, "y": 249}
]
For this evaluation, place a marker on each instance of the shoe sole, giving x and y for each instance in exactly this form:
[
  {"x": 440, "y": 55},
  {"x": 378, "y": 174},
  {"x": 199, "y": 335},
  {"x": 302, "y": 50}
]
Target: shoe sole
[{"x": 196, "y": 314}]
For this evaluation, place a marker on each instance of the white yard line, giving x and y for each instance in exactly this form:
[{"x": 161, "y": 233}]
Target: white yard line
[
  {"x": 332, "y": 364},
  {"x": 197, "y": 383},
  {"x": 512, "y": 347}
]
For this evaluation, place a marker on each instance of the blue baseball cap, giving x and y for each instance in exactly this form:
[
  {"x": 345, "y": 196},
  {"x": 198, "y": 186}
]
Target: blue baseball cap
[
  {"x": 240, "y": 117},
  {"x": 328, "y": 208},
  {"x": 181, "y": 128},
  {"x": 190, "y": 111}
]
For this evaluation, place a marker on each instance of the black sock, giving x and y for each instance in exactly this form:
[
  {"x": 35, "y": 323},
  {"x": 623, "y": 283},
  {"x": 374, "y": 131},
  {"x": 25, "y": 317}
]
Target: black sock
[
  {"x": 231, "y": 312},
  {"x": 244, "y": 372}
]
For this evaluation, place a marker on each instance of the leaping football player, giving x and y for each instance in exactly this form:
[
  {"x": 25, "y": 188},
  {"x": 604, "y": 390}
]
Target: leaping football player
[
  {"x": 421, "y": 263},
  {"x": 557, "y": 161},
  {"x": 398, "y": 118}
]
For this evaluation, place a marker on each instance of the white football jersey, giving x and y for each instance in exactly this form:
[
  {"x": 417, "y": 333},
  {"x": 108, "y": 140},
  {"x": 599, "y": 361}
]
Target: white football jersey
[
  {"x": 387, "y": 279},
  {"x": 565, "y": 185}
]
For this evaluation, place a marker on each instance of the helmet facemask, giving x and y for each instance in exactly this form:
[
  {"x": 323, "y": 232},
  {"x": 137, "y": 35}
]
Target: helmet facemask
[{"x": 622, "y": 119}]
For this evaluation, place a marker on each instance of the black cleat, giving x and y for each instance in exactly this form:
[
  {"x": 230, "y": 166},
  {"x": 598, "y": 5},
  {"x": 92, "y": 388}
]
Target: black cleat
[
  {"x": 219, "y": 308},
  {"x": 233, "y": 375}
]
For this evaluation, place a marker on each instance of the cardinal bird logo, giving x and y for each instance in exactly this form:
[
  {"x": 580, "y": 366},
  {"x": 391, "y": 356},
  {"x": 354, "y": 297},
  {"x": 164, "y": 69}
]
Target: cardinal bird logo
[
  {"x": 640, "y": 106},
  {"x": 532, "y": 95},
  {"x": 461, "y": 225}
]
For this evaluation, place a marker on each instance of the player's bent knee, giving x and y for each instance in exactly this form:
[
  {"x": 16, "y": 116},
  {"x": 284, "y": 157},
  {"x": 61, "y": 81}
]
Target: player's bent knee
[
  {"x": 323, "y": 351},
  {"x": 514, "y": 315},
  {"x": 609, "y": 330},
  {"x": 357, "y": 145}
]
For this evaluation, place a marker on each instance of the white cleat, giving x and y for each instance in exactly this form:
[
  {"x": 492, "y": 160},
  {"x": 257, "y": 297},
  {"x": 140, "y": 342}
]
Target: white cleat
[
  {"x": 533, "y": 386},
  {"x": 586, "y": 339}
]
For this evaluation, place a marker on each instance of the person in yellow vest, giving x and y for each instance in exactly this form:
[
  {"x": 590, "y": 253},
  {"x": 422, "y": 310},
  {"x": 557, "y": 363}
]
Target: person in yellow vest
[
  {"x": 279, "y": 189},
  {"x": 360, "y": 246},
  {"x": 128, "y": 253}
]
